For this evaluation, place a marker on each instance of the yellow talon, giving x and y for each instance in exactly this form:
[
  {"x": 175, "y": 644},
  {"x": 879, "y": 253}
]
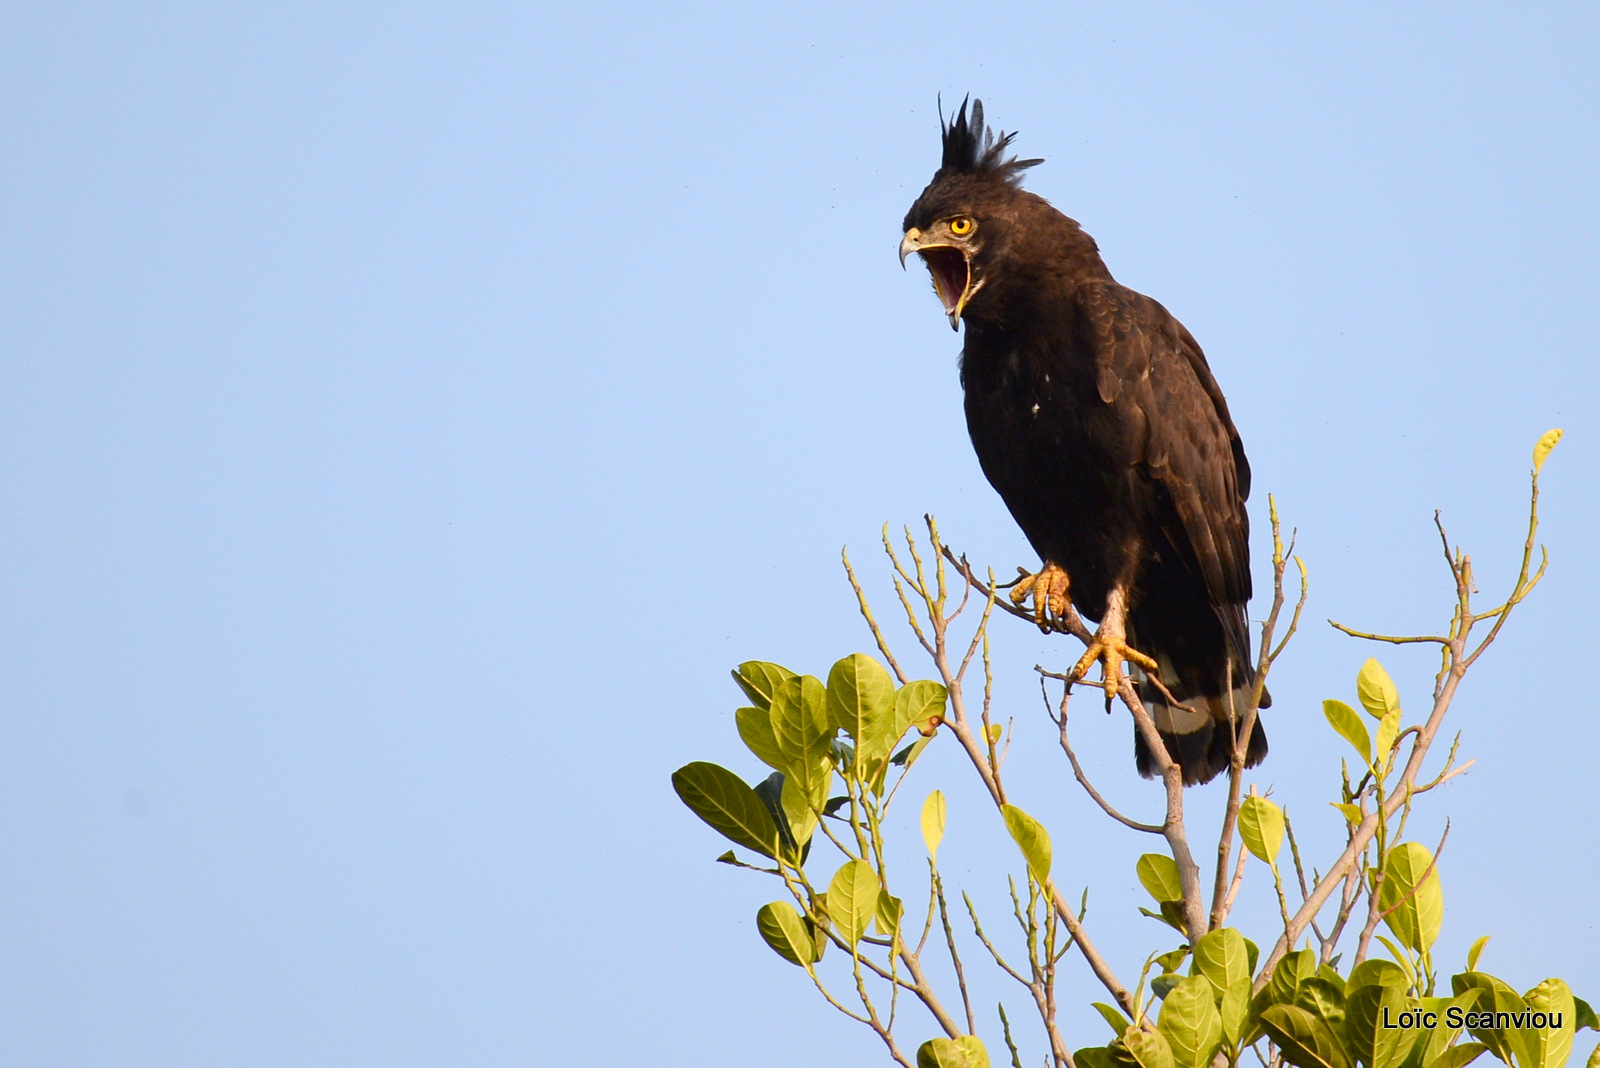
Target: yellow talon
[
  {"x": 1050, "y": 591},
  {"x": 1111, "y": 648}
]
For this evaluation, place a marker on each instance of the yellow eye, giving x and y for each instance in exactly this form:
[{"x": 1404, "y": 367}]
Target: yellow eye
[{"x": 962, "y": 226}]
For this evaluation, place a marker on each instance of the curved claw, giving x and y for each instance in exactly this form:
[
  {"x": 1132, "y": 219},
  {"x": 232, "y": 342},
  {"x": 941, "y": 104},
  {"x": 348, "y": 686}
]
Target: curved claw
[
  {"x": 1111, "y": 648},
  {"x": 1050, "y": 590}
]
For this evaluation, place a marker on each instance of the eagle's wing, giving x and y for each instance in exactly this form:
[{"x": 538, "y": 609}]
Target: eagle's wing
[{"x": 1152, "y": 372}]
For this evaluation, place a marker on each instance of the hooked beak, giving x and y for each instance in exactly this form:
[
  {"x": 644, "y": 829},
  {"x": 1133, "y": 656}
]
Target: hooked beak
[{"x": 950, "y": 267}]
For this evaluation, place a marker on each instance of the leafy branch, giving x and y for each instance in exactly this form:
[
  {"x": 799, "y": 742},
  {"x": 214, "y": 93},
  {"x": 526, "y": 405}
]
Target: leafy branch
[{"x": 862, "y": 730}]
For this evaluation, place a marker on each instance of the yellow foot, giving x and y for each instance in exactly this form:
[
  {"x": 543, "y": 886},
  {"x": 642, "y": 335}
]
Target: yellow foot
[
  {"x": 1049, "y": 590},
  {"x": 1111, "y": 648}
]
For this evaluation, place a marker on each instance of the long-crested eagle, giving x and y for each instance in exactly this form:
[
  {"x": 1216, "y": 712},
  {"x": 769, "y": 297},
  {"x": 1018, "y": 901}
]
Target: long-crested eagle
[{"x": 1095, "y": 416}]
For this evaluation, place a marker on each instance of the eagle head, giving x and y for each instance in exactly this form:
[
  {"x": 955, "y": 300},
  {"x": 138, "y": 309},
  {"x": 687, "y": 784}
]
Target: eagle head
[{"x": 961, "y": 223}]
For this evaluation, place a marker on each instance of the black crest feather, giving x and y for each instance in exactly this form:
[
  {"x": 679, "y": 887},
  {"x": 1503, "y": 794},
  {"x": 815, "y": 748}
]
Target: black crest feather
[{"x": 970, "y": 147}]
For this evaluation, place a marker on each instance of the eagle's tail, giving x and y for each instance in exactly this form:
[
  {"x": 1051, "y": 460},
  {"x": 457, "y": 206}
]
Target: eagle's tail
[{"x": 1201, "y": 741}]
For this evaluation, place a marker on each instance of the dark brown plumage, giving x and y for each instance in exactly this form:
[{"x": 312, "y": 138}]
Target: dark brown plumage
[{"x": 1095, "y": 416}]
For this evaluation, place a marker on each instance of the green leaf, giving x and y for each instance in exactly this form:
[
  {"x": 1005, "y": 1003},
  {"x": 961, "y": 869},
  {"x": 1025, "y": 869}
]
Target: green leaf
[
  {"x": 1493, "y": 996},
  {"x": 1373, "y": 1044},
  {"x": 1457, "y": 1056},
  {"x": 1585, "y": 1015},
  {"x": 933, "y": 823},
  {"x": 1323, "y": 999},
  {"x": 793, "y": 812},
  {"x": 804, "y": 736},
  {"x": 759, "y": 679},
  {"x": 887, "y": 917},
  {"x": 1161, "y": 985},
  {"x": 1170, "y": 960},
  {"x": 1158, "y": 874},
  {"x": 1221, "y": 957},
  {"x": 801, "y": 729},
  {"x": 755, "y": 730},
  {"x": 1294, "y": 969},
  {"x": 1548, "y": 1047},
  {"x": 1388, "y": 731},
  {"x": 1190, "y": 1022},
  {"x": 964, "y": 1052},
  {"x": 1304, "y": 1040},
  {"x": 1431, "y": 1045},
  {"x": 770, "y": 791},
  {"x": 800, "y": 811},
  {"x": 1547, "y": 441},
  {"x": 1375, "y": 971},
  {"x": 1031, "y": 838},
  {"x": 1416, "y": 921},
  {"x": 728, "y": 805},
  {"x": 861, "y": 703},
  {"x": 1475, "y": 952},
  {"x": 1351, "y": 813},
  {"x": 1401, "y": 958},
  {"x": 917, "y": 704},
  {"x": 908, "y": 756},
  {"x": 1119, "y": 1023},
  {"x": 1594, "y": 1059},
  {"x": 1148, "y": 1048},
  {"x": 786, "y": 933},
  {"x": 817, "y": 922},
  {"x": 1348, "y": 724},
  {"x": 853, "y": 899},
  {"x": 1094, "y": 1057},
  {"x": 1173, "y": 916},
  {"x": 1281, "y": 989},
  {"x": 1261, "y": 827},
  {"x": 1377, "y": 690}
]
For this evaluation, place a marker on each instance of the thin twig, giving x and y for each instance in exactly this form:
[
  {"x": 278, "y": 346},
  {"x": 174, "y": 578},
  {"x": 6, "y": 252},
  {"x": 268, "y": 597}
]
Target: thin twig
[
  {"x": 955, "y": 958},
  {"x": 961, "y": 726},
  {"x": 872, "y": 624},
  {"x": 1455, "y": 669},
  {"x": 993, "y": 952},
  {"x": 1243, "y": 728},
  {"x": 1077, "y": 768},
  {"x": 1391, "y": 639}
]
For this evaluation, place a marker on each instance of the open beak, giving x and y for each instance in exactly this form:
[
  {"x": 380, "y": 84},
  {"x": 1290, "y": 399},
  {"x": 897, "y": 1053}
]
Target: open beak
[{"x": 950, "y": 268}]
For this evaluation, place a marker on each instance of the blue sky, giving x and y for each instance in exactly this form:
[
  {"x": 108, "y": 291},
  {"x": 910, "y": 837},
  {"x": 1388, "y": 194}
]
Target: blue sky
[{"x": 411, "y": 413}]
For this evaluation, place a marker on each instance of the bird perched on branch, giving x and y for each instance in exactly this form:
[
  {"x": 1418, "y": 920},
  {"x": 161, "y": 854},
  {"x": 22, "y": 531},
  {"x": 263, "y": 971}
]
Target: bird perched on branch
[{"x": 1095, "y": 416}]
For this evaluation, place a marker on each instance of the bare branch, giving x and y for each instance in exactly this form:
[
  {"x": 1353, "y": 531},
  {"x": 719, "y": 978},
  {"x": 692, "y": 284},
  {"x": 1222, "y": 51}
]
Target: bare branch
[
  {"x": 1456, "y": 662},
  {"x": 1005, "y": 1026},
  {"x": 872, "y": 624},
  {"x": 1237, "y": 881},
  {"x": 1294, "y": 848},
  {"x": 955, "y": 958},
  {"x": 1299, "y": 607},
  {"x": 1523, "y": 587},
  {"x": 993, "y": 952},
  {"x": 1222, "y": 891},
  {"x": 1391, "y": 639},
  {"x": 1077, "y": 768},
  {"x": 1071, "y": 623},
  {"x": 961, "y": 726}
]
